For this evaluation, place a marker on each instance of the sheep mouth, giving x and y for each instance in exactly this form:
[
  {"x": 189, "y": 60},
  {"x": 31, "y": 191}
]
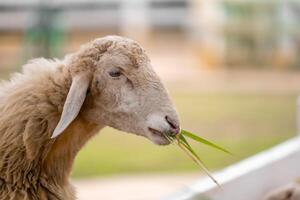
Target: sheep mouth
[
  {"x": 156, "y": 132},
  {"x": 158, "y": 137}
]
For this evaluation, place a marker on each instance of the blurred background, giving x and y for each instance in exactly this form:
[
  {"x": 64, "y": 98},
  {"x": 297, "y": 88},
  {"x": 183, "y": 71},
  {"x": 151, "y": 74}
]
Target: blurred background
[{"x": 232, "y": 68}]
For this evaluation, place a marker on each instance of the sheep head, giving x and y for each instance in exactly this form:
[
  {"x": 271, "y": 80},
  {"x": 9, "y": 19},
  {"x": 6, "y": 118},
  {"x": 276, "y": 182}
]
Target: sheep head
[
  {"x": 288, "y": 192},
  {"x": 114, "y": 84}
]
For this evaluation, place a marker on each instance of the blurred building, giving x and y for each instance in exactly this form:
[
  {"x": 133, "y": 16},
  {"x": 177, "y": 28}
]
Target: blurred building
[{"x": 232, "y": 33}]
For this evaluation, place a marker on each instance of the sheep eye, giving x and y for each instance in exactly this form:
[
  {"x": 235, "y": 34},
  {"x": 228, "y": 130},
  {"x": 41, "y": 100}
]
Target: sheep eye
[{"x": 115, "y": 73}]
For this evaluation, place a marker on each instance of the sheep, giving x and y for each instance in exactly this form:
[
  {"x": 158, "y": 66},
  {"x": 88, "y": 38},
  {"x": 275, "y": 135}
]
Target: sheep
[
  {"x": 288, "y": 192},
  {"x": 53, "y": 107}
]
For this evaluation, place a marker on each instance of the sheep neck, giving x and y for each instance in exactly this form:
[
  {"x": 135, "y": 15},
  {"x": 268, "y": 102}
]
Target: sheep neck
[{"x": 61, "y": 156}]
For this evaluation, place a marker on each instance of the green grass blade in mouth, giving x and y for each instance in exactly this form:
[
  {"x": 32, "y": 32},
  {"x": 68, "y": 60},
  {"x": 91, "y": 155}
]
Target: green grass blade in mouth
[
  {"x": 192, "y": 154},
  {"x": 186, "y": 147},
  {"x": 184, "y": 142},
  {"x": 202, "y": 140},
  {"x": 182, "y": 138},
  {"x": 170, "y": 139}
]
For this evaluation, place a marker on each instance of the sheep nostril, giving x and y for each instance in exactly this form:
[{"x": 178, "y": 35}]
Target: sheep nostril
[{"x": 173, "y": 124}]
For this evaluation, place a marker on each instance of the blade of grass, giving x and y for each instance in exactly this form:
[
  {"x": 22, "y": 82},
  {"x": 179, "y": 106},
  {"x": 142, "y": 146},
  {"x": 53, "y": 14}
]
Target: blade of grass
[
  {"x": 202, "y": 140},
  {"x": 189, "y": 148},
  {"x": 170, "y": 139},
  {"x": 186, "y": 147},
  {"x": 182, "y": 138},
  {"x": 198, "y": 161}
]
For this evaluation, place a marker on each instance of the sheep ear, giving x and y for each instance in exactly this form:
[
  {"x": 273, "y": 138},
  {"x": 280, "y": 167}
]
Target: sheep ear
[{"x": 73, "y": 104}]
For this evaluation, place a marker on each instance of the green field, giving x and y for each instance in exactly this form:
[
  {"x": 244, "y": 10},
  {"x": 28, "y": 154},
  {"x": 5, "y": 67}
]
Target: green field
[{"x": 243, "y": 123}]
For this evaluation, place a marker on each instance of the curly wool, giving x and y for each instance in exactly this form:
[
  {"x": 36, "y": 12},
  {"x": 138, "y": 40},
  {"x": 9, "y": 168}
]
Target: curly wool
[
  {"x": 32, "y": 166},
  {"x": 29, "y": 110}
]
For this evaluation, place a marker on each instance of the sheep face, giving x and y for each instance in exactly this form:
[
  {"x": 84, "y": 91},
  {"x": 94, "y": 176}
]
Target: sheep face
[
  {"x": 128, "y": 95},
  {"x": 124, "y": 91}
]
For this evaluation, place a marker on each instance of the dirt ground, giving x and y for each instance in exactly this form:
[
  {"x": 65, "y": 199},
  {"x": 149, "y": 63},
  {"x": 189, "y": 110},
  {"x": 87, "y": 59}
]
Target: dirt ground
[{"x": 133, "y": 187}]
